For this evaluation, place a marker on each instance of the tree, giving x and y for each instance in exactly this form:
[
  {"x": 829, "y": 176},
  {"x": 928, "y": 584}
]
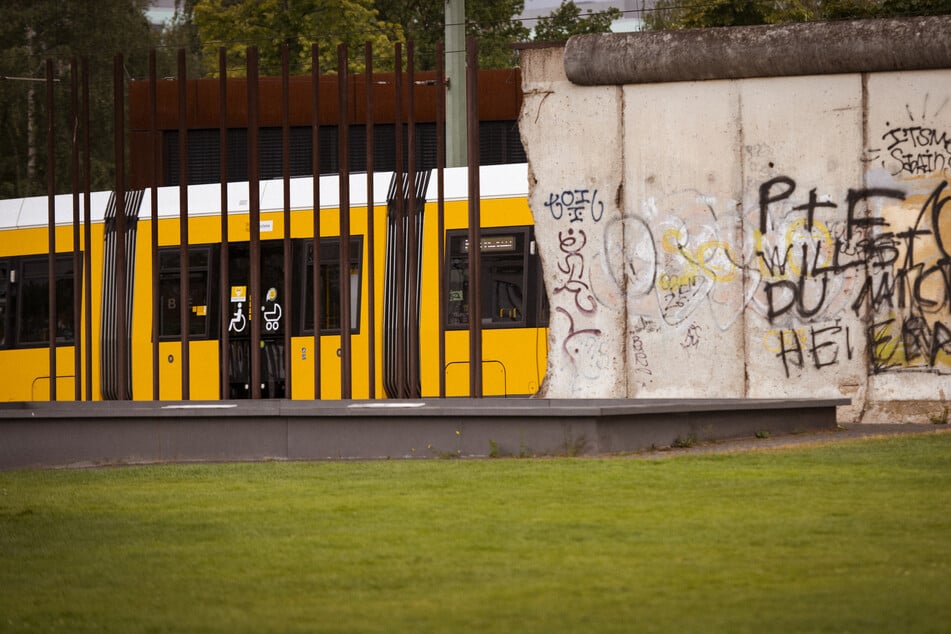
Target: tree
[
  {"x": 268, "y": 24},
  {"x": 491, "y": 21},
  {"x": 566, "y": 21},
  {"x": 32, "y": 31},
  {"x": 178, "y": 34}
]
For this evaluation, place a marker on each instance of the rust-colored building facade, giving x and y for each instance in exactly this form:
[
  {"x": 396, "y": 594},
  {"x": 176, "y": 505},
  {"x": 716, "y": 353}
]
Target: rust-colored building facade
[{"x": 154, "y": 153}]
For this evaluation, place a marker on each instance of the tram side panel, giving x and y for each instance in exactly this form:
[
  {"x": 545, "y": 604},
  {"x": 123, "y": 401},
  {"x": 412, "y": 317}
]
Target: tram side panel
[
  {"x": 303, "y": 354},
  {"x": 513, "y": 320},
  {"x": 513, "y": 307},
  {"x": 269, "y": 304},
  {"x": 24, "y": 314}
]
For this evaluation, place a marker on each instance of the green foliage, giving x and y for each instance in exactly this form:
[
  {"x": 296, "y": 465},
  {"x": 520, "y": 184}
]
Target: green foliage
[
  {"x": 491, "y": 21},
  {"x": 32, "y": 31},
  {"x": 851, "y": 537},
  {"x": 679, "y": 14},
  {"x": 269, "y": 24},
  {"x": 566, "y": 21},
  {"x": 181, "y": 33}
]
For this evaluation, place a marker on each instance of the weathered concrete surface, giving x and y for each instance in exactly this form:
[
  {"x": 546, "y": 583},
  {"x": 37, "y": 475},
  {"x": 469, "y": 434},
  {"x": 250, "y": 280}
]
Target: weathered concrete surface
[
  {"x": 104, "y": 433},
  {"x": 813, "y": 48},
  {"x": 682, "y": 173},
  {"x": 784, "y": 236},
  {"x": 577, "y": 216}
]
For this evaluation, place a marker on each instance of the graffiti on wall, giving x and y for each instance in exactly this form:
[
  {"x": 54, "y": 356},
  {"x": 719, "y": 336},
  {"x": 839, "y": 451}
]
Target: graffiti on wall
[
  {"x": 824, "y": 271},
  {"x": 847, "y": 274},
  {"x": 576, "y": 212},
  {"x": 914, "y": 150}
]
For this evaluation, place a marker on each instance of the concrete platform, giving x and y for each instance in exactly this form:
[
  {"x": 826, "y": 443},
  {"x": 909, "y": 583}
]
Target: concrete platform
[{"x": 133, "y": 432}]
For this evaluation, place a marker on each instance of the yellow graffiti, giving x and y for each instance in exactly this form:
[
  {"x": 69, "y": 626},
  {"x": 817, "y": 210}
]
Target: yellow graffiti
[
  {"x": 714, "y": 267},
  {"x": 713, "y": 258},
  {"x": 886, "y": 345},
  {"x": 889, "y": 339},
  {"x": 778, "y": 340},
  {"x": 671, "y": 241},
  {"x": 672, "y": 282}
]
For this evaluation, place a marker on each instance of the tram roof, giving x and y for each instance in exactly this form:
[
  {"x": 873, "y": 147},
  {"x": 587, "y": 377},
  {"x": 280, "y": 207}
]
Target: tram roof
[{"x": 495, "y": 181}]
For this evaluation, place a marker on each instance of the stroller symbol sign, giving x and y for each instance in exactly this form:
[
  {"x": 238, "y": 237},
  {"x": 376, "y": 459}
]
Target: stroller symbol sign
[{"x": 272, "y": 313}]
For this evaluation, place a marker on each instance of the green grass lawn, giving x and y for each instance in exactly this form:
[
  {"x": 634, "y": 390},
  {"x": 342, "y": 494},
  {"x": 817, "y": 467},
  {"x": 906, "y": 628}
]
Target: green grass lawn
[{"x": 851, "y": 537}]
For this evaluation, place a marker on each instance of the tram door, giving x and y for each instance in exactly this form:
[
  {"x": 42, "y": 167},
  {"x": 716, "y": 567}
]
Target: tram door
[{"x": 267, "y": 304}]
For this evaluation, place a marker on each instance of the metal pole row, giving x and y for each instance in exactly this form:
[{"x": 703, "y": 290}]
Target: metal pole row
[
  {"x": 81, "y": 325},
  {"x": 407, "y": 225}
]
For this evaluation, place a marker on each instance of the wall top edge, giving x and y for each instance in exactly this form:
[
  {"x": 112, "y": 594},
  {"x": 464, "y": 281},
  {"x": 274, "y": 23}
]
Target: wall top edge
[{"x": 806, "y": 48}]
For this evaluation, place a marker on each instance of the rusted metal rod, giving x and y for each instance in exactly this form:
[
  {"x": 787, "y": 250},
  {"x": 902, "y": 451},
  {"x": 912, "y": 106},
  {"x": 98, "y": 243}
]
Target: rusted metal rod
[
  {"x": 441, "y": 207},
  {"x": 412, "y": 251},
  {"x": 184, "y": 277},
  {"x": 475, "y": 234},
  {"x": 315, "y": 168},
  {"x": 254, "y": 194},
  {"x": 51, "y": 211},
  {"x": 87, "y": 226},
  {"x": 343, "y": 136},
  {"x": 122, "y": 339},
  {"x": 399, "y": 230},
  {"x": 371, "y": 238},
  {"x": 156, "y": 308},
  {"x": 286, "y": 171},
  {"x": 77, "y": 253},
  {"x": 225, "y": 295}
]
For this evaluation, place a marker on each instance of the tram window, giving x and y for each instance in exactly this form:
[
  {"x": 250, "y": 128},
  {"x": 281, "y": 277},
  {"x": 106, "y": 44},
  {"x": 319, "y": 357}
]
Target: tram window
[
  {"x": 4, "y": 280},
  {"x": 503, "y": 264},
  {"x": 330, "y": 285},
  {"x": 35, "y": 304},
  {"x": 170, "y": 322}
]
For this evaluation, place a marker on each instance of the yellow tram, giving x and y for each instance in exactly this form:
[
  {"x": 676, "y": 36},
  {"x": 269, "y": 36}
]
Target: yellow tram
[{"x": 513, "y": 307}]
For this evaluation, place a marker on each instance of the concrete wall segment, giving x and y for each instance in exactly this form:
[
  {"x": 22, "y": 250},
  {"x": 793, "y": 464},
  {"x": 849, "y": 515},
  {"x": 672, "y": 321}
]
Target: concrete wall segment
[
  {"x": 802, "y": 150},
  {"x": 575, "y": 136},
  {"x": 909, "y": 151},
  {"x": 685, "y": 292},
  {"x": 810, "y": 48},
  {"x": 780, "y": 237}
]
